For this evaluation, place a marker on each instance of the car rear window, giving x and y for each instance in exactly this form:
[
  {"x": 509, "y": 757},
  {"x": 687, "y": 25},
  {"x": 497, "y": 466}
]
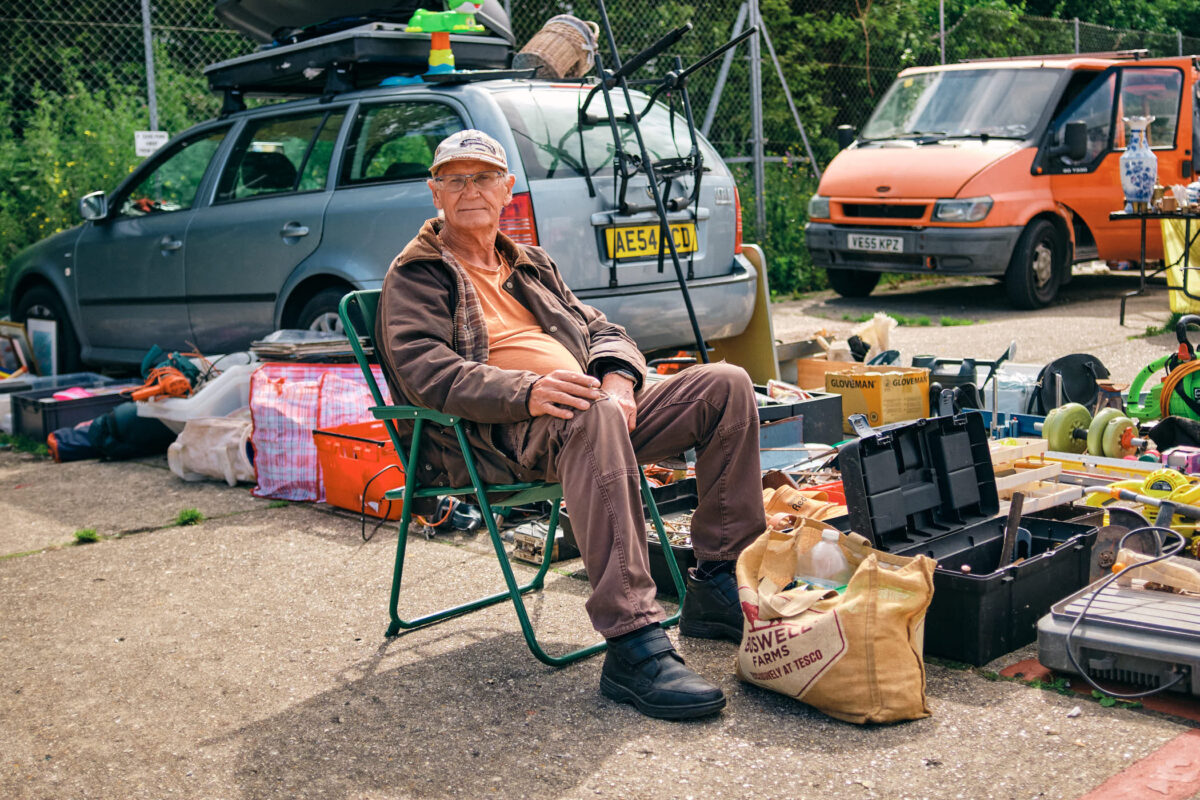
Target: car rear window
[{"x": 545, "y": 123}]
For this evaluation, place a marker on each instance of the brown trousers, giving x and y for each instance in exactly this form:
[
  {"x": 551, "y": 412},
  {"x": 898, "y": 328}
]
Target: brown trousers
[{"x": 595, "y": 457}]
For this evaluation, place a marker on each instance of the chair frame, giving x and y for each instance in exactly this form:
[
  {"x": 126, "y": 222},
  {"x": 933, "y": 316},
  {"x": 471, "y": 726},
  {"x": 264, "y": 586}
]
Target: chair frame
[{"x": 357, "y": 311}]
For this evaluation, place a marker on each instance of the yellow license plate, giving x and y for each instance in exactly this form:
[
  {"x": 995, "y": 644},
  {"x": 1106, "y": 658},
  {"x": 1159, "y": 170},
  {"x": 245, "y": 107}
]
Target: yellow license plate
[{"x": 636, "y": 241}]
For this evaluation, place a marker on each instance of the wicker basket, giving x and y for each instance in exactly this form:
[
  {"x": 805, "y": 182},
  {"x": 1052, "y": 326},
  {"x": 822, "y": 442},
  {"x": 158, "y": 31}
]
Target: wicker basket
[{"x": 563, "y": 48}]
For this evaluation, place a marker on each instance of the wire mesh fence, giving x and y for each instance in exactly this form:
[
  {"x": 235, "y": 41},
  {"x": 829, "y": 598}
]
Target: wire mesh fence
[{"x": 68, "y": 64}]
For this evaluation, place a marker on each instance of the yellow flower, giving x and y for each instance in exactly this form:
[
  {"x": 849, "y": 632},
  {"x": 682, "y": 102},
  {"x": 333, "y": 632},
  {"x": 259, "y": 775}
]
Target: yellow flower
[
  {"x": 70, "y": 163},
  {"x": 88, "y": 133}
]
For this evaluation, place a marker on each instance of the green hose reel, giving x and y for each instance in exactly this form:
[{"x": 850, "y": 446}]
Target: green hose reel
[{"x": 1185, "y": 396}]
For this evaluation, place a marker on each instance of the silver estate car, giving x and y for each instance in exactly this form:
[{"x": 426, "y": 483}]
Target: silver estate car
[{"x": 263, "y": 219}]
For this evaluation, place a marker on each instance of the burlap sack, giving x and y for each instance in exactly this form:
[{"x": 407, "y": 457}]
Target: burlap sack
[{"x": 857, "y": 656}]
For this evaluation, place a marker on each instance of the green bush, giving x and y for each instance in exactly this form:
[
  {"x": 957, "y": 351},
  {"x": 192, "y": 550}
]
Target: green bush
[{"x": 66, "y": 145}]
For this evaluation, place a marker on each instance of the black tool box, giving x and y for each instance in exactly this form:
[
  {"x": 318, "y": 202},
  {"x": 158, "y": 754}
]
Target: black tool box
[{"x": 928, "y": 487}]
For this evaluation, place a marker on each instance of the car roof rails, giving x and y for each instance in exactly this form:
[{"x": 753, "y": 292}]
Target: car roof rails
[
  {"x": 347, "y": 60},
  {"x": 1134, "y": 54}
]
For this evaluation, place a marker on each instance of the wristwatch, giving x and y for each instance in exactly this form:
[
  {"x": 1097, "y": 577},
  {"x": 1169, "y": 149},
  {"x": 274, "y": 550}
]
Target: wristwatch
[{"x": 624, "y": 373}]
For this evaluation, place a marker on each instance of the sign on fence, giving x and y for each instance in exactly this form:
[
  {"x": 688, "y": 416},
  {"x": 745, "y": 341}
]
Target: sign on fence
[{"x": 145, "y": 143}]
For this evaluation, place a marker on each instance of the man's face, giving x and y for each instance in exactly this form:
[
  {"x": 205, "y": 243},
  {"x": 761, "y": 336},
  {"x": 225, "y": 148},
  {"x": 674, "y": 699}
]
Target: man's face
[{"x": 472, "y": 208}]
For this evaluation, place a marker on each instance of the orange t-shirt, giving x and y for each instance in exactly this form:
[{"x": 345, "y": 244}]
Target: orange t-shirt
[{"x": 515, "y": 339}]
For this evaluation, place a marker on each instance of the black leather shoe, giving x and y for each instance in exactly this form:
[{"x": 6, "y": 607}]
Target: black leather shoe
[
  {"x": 711, "y": 608},
  {"x": 646, "y": 671}
]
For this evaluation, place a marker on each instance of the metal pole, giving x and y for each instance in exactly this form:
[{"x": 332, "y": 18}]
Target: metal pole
[
  {"x": 151, "y": 93},
  {"x": 942, "y": 28},
  {"x": 756, "y": 122},
  {"x": 788, "y": 94},
  {"x": 508, "y": 10},
  {"x": 723, "y": 74},
  {"x": 1077, "y": 34},
  {"x": 1179, "y": 40}
]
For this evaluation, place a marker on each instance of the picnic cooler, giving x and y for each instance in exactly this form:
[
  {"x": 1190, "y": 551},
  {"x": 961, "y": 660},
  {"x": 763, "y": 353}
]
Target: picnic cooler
[
  {"x": 928, "y": 487},
  {"x": 353, "y": 456}
]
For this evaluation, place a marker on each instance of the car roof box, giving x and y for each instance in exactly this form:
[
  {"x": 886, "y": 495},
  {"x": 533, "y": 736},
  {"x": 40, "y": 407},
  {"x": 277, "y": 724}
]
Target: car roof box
[
  {"x": 355, "y": 58},
  {"x": 282, "y": 21}
]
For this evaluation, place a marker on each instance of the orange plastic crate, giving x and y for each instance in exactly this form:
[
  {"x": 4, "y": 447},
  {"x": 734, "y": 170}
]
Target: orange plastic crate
[{"x": 352, "y": 455}]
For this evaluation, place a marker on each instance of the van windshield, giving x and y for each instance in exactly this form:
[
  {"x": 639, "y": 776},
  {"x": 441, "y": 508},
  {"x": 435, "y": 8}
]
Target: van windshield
[
  {"x": 545, "y": 124},
  {"x": 1005, "y": 103}
]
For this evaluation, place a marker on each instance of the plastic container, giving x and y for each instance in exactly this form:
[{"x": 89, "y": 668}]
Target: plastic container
[
  {"x": 37, "y": 414},
  {"x": 220, "y": 397},
  {"x": 929, "y": 488},
  {"x": 350, "y": 457},
  {"x": 825, "y": 565},
  {"x": 29, "y": 383}
]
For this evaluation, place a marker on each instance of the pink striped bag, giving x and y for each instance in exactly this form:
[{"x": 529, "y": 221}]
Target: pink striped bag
[{"x": 287, "y": 403}]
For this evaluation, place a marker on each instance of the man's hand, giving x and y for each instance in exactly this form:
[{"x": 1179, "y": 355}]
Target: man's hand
[
  {"x": 557, "y": 392},
  {"x": 620, "y": 388}
]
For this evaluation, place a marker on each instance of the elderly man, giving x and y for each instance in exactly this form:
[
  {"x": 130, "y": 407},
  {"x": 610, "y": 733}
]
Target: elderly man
[{"x": 475, "y": 325}]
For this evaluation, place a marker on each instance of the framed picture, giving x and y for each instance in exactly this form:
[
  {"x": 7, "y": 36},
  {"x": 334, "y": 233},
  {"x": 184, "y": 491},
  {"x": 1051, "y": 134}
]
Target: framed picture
[
  {"x": 14, "y": 348},
  {"x": 43, "y": 342}
]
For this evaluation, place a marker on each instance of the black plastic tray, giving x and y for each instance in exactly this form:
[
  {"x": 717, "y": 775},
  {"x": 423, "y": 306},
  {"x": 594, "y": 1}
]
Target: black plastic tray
[
  {"x": 822, "y": 416},
  {"x": 928, "y": 488}
]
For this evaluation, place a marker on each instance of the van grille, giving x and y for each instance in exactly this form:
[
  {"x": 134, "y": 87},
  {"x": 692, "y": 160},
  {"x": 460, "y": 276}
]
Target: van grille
[{"x": 883, "y": 210}]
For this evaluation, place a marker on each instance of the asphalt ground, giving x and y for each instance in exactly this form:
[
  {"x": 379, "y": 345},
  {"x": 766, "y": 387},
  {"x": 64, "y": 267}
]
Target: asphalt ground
[{"x": 245, "y": 657}]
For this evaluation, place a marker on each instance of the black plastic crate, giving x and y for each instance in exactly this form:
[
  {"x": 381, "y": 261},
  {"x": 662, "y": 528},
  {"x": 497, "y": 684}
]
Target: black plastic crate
[
  {"x": 928, "y": 488},
  {"x": 822, "y": 416},
  {"x": 37, "y": 414}
]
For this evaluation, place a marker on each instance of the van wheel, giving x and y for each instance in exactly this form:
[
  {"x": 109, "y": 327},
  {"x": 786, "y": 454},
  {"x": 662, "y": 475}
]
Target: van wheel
[
  {"x": 320, "y": 313},
  {"x": 1036, "y": 267},
  {"x": 42, "y": 302},
  {"x": 853, "y": 282}
]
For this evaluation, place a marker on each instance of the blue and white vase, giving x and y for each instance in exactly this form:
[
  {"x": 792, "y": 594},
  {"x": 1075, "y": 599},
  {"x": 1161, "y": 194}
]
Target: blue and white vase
[{"x": 1139, "y": 165}]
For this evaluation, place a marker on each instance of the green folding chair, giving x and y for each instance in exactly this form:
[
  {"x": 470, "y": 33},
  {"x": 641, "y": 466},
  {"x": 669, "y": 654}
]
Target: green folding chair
[{"x": 357, "y": 311}]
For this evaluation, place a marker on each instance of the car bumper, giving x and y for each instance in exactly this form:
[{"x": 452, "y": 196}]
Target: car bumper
[
  {"x": 656, "y": 317},
  {"x": 958, "y": 251}
]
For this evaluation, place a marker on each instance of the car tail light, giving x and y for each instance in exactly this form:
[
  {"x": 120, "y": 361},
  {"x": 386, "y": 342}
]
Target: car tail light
[
  {"x": 517, "y": 222},
  {"x": 737, "y": 231}
]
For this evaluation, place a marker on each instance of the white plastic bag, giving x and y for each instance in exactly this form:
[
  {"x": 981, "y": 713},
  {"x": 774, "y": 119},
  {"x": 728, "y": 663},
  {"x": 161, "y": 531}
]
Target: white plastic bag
[{"x": 214, "y": 447}]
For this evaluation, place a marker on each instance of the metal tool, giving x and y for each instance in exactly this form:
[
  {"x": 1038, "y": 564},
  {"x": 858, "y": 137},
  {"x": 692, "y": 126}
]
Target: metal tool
[{"x": 1011, "y": 530}]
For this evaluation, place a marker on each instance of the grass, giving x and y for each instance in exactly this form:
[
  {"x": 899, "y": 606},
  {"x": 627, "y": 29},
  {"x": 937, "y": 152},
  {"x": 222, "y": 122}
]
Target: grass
[
  {"x": 912, "y": 322},
  {"x": 189, "y": 516},
  {"x": 24, "y": 444},
  {"x": 952, "y": 322},
  {"x": 87, "y": 536},
  {"x": 1167, "y": 327},
  {"x": 278, "y": 504}
]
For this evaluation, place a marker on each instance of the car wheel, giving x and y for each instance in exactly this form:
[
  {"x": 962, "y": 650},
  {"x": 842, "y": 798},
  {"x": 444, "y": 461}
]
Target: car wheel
[
  {"x": 1036, "y": 267},
  {"x": 42, "y": 302},
  {"x": 320, "y": 313},
  {"x": 853, "y": 282}
]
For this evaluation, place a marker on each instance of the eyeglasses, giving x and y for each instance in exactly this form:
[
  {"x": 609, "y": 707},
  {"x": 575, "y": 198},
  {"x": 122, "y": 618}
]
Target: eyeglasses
[{"x": 482, "y": 180}]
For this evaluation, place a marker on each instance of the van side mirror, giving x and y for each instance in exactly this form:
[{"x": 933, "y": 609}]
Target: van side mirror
[
  {"x": 94, "y": 206},
  {"x": 1074, "y": 144},
  {"x": 845, "y": 136}
]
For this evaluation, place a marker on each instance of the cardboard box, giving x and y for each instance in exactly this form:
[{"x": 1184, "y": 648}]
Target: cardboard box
[
  {"x": 884, "y": 394},
  {"x": 810, "y": 372}
]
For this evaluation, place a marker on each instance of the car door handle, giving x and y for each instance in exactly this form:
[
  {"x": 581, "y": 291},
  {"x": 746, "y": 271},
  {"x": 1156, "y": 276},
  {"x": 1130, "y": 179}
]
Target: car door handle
[
  {"x": 169, "y": 243},
  {"x": 292, "y": 230}
]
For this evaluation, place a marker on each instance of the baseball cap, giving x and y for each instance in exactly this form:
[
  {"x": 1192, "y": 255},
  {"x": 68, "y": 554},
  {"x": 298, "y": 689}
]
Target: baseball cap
[{"x": 469, "y": 145}]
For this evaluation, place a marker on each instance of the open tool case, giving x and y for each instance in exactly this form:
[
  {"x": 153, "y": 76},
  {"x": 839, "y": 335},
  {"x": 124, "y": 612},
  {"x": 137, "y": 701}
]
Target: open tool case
[{"x": 928, "y": 487}]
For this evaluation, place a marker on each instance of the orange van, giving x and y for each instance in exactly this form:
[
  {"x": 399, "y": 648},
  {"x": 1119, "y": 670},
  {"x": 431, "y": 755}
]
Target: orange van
[{"x": 1007, "y": 168}]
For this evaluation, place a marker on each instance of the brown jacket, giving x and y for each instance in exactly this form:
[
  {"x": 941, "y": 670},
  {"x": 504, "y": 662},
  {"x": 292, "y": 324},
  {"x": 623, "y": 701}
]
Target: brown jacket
[{"x": 433, "y": 348}]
